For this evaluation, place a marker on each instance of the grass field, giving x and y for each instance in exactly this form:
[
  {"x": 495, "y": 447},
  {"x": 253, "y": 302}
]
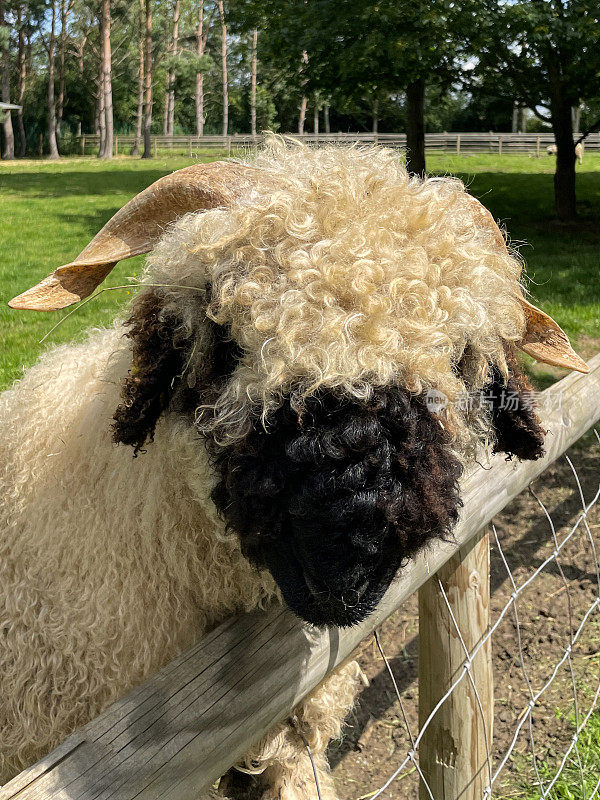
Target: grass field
[{"x": 49, "y": 211}]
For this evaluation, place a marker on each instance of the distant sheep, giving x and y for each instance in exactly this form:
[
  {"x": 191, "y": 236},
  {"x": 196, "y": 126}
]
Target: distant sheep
[
  {"x": 258, "y": 427},
  {"x": 551, "y": 150}
]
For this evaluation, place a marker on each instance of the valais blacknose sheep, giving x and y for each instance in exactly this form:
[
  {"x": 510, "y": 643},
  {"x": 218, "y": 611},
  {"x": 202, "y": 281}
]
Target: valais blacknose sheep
[
  {"x": 552, "y": 150},
  {"x": 258, "y": 428}
]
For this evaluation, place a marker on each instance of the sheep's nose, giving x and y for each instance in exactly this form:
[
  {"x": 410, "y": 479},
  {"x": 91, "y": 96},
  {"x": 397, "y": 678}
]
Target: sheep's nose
[{"x": 335, "y": 609}]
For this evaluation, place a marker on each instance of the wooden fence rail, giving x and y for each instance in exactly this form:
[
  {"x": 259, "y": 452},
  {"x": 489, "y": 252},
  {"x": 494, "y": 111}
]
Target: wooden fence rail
[
  {"x": 175, "y": 734},
  {"x": 534, "y": 144}
]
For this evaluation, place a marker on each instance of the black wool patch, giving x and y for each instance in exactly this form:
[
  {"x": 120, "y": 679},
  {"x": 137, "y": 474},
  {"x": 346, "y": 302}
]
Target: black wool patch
[
  {"x": 334, "y": 497},
  {"x": 160, "y": 355},
  {"x": 518, "y": 429},
  {"x": 147, "y": 390}
]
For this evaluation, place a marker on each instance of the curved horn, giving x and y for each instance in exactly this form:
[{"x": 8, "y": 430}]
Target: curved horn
[
  {"x": 136, "y": 228},
  {"x": 544, "y": 339}
]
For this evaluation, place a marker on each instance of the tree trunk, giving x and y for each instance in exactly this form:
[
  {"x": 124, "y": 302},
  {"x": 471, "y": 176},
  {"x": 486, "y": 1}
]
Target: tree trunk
[
  {"x": 101, "y": 114},
  {"x": 148, "y": 81},
  {"x": 302, "y": 117},
  {"x": 326, "y": 118},
  {"x": 51, "y": 102},
  {"x": 201, "y": 37},
  {"x": 224, "y": 68},
  {"x": 97, "y": 113},
  {"x": 515, "y": 117},
  {"x": 135, "y": 150},
  {"x": 64, "y": 16},
  {"x": 576, "y": 119},
  {"x": 316, "y": 118},
  {"x": 564, "y": 177},
  {"x": 175, "y": 49},
  {"x": 376, "y": 116},
  {"x": 80, "y": 48},
  {"x": 415, "y": 127},
  {"x": 107, "y": 81},
  {"x": 22, "y": 58},
  {"x": 253, "y": 83},
  {"x": 9, "y": 137},
  {"x": 166, "y": 105}
]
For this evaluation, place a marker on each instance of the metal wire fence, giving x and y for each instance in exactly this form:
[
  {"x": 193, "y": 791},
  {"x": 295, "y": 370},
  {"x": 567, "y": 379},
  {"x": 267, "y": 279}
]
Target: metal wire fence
[{"x": 554, "y": 693}]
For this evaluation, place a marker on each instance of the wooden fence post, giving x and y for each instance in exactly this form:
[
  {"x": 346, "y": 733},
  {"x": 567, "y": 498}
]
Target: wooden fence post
[
  {"x": 155, "y": 147},
  {"x": 458, "y": 143},
  {"x": 83, "y": 145},
  {"x": 453, "y": 755},
  {"x": 116, "y": 145}
]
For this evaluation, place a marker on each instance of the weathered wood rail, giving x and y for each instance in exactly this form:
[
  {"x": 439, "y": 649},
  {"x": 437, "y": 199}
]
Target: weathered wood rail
[
  {"x": 499, "y": 143},
  {"x": 174, "y": 735}
]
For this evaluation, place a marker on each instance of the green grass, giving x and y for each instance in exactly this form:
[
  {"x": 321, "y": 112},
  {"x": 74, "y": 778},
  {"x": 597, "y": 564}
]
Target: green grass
[
  {"x": 49, "y": 211},
  {"x": 569, "y": 784}
]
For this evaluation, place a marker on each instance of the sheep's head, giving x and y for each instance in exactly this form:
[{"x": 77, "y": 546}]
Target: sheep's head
[{"x": 303, "y": 317}]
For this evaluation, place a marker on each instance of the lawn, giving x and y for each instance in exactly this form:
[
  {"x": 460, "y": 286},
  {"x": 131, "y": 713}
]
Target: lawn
[{"x": 49, "y": 212}]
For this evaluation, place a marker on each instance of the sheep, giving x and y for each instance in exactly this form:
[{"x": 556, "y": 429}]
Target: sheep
[
  {"x": 552, "y": 150},
  {"x": 256, "y": 430}
]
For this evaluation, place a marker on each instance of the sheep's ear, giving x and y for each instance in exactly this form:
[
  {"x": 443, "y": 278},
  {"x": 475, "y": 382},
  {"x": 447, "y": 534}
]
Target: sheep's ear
[
  {"x": 158, "y": 358},
  {"x": 516, "y": 425},
  {"x": 136, "y": 228},
  {"x": 544, "y": 339}
]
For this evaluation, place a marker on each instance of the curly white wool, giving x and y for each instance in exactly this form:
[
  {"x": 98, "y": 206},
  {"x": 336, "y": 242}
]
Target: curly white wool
[{"x": 351, "y": 275}]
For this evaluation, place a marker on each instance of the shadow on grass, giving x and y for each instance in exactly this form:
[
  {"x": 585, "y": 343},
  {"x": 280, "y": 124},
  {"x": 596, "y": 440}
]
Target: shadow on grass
[
  {"x": 527, "y": 199},
  {"x": 67, "y": 184},
  {"x": 90, "y": 222}
]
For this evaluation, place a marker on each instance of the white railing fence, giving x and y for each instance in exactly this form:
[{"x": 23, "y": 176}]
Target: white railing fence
[{"x": 533, "y": 144}]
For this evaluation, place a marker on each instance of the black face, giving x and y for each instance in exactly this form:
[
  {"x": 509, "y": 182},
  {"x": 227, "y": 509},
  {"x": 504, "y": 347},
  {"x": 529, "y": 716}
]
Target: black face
[
  {"x": 337, "y": 494},
  {"x": 333, "y": 498}
]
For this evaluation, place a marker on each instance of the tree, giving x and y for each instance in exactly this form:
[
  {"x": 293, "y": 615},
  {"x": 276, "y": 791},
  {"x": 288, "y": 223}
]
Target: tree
[
  {"x": 224, "y": 67},
  {"x": 50, "y": 47},
  {"x": 22, "y": 71},
  {"x": 9, "y": 139},
  {"x": 106, "y": 83},
  {"x": 148, "y": 80},
  {"x": 304, "y": 100},
  {"x": 202, "y": 30},
  {"x": 545, "y": 55},
  {"x": 82, "y": 30},
  {"x": 65, "y": 10},
  {"x": 253, "y": 69},
  {"x": 170, "y": 98},
  {"x": 135, "y": 150},
  {"x": 364, "y": 50}
]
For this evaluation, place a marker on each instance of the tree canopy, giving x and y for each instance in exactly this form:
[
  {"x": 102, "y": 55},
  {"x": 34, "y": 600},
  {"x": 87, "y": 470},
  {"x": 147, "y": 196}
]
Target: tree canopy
[{"x": 81, "y": 66}]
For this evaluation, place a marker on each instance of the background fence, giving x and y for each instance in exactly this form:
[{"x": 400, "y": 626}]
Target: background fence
[
  {"x": 173, "y": 736},
  {"x": 499, "y": 143}
]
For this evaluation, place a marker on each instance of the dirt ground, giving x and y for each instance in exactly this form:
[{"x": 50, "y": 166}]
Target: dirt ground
[{"x": 376, "y": 740}]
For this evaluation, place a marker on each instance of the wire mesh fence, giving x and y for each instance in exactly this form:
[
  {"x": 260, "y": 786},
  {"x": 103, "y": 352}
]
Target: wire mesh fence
[{"x": 544, "y": 633}]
